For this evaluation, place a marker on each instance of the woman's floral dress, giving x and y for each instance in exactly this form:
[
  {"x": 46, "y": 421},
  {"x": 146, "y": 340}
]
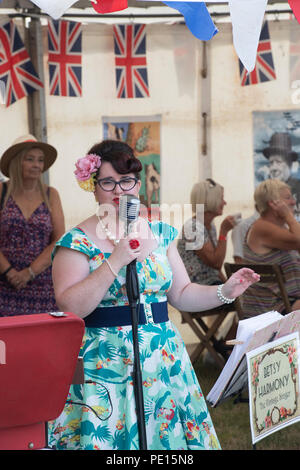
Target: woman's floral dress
[
  {"x": 101, "y": 414},
  {"x": 21, "y": 242}
]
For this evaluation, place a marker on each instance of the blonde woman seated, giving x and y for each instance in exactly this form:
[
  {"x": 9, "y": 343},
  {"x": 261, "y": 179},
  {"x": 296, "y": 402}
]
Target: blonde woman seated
[
  {"x": 273, "y": 239},
  {"x": 201, "y": 249}
]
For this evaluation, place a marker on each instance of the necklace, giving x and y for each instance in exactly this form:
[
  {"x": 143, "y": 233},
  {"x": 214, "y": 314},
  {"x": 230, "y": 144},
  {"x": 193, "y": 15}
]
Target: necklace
[{"x": 108, "y": 233}]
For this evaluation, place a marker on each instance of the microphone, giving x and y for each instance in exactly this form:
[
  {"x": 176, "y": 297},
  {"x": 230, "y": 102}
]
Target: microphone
[{"x": 129, "y": 209}]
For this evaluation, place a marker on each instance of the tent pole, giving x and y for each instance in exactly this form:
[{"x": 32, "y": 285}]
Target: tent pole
[{"x": 36, "y": 102}]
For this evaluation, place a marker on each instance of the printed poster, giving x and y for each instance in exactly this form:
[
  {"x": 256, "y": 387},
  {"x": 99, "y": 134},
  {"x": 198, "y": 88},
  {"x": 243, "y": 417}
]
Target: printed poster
[
  {"x": 277, "y": 149},
  {"x": 143, "y": 135},
  {"x": 273, "y": 381}
]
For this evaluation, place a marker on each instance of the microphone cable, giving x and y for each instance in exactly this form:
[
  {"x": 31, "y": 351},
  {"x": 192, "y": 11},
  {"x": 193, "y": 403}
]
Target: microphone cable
[{"x": 71, "y": 402}]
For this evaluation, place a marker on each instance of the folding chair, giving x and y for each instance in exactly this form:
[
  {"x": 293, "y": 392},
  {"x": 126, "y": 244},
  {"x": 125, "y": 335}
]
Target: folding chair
[
  {"x": 206, "y": 334},
  {"x": 269, "y": 273}
]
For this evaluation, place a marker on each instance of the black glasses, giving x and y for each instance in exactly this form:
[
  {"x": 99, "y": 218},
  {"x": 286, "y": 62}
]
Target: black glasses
[
  {"x": 212, "y": 183},
  {"x": 126, "y": 184}
]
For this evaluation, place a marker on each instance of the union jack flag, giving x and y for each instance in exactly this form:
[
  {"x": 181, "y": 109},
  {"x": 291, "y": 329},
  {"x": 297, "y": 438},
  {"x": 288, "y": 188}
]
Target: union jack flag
[
  {"x": 264, "y": 70},
  {"x": 130, "y": 60},
  {"x": 17, "y": 75},
  {"x": 64, "y": 59}
]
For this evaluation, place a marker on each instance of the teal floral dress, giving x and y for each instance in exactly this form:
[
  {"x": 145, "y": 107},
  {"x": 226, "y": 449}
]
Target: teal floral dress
[{"x": 100, "y": 415}]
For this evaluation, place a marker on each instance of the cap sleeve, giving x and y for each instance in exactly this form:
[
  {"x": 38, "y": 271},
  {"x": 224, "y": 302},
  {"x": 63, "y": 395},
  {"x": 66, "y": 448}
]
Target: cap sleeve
[
  {"x": 164, "y": 232},
  {"x": 75, "y": 240}
]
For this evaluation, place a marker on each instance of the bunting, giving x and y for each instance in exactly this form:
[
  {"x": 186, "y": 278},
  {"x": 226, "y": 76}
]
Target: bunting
[
  {"x": 196, "y": 17},
  {"x": 17, "y": 74},
  {"x": 130, "y": 60},
  {"x": 264, "y": 70},
  {"x": 54, "y": 8},
  {"x": 64, "y": 44},
  {"x": 109, "y": 6},
  {"x": 295, "y": 6}
]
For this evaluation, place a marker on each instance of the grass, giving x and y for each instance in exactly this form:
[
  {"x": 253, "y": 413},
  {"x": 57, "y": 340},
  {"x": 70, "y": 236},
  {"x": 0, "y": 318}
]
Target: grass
[{"x": 232, "y": 422}]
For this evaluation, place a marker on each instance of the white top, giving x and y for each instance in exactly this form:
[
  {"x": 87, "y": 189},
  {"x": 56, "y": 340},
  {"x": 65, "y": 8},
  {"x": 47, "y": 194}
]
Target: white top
[{"x": 239, "y": 232}]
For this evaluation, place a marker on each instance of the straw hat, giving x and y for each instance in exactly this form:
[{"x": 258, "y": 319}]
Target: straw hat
[{"x": 27, "y": 141}]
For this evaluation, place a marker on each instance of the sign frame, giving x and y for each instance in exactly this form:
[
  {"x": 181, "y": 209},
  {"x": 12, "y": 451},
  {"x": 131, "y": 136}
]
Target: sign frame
[{"x": 273, "y": 384}]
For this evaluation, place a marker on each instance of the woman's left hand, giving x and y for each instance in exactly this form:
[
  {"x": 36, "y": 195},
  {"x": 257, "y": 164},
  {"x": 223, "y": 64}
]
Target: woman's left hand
[{"x": 239, "y": 282}]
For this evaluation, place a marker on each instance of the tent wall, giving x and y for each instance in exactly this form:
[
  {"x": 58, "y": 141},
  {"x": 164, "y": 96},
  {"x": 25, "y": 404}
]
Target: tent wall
[{"x": 177, "y": 94}]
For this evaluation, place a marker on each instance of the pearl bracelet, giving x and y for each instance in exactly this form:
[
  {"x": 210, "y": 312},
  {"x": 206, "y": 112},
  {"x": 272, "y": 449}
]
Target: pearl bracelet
[
  {"x": 224, "y": 300},
  {"x": 110, "y": 267}
]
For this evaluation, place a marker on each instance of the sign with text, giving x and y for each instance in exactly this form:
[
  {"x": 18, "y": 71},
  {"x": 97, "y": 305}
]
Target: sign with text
[{"x": 273, "y": 380}]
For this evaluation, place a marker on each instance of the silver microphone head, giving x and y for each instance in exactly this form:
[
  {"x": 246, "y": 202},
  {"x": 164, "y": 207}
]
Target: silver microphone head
[{"x": 129, "y": 208}]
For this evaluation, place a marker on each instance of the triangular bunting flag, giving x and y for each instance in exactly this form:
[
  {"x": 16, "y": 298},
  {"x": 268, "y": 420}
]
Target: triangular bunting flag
[
  {"x": 247, "y": 18},
  {"x": 109, "y": 6},
  {"x": 264, "y": 70},
  {"x": 54, "y": 8},
  {"x": 295, "y": 6},
  {"x": 197, "y": 18}
]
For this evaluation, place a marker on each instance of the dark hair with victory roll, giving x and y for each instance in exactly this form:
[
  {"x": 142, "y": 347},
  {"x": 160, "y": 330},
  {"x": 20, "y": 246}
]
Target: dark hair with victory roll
[{"x": 119, "y": 154}]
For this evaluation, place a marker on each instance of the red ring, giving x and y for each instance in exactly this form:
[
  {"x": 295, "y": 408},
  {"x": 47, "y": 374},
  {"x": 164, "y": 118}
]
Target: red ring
[{"x": 134, "y": 244}]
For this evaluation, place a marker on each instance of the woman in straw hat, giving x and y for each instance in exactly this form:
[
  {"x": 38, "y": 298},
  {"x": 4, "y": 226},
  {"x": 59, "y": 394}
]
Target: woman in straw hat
[{"x": 31, "y": 221}]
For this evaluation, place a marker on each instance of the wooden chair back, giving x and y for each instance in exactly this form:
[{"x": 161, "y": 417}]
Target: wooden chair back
[{"x": 269, "y": 273}]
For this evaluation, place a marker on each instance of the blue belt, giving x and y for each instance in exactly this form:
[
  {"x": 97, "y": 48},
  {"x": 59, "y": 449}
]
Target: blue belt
[{"x": 104, "y": 317}]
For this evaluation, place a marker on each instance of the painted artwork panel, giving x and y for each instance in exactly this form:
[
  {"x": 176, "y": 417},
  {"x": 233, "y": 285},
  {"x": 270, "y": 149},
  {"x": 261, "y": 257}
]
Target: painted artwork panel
[
  {"x": 144, "y": 137},
  {"x": 276, "y": 146}
]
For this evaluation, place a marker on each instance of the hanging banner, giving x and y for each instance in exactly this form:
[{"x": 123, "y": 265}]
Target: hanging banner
[
  {"x": 64, "y": 58},
  {"x": 17, "y": 74},
  {"x": 273, "y": 380},
  {"x": 131, "y": 61}
]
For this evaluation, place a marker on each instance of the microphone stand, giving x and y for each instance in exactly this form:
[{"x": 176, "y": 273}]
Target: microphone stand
[{"x": 133, "y": 293}]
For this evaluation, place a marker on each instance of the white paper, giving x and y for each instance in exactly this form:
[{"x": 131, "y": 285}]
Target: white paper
[{"x": 246, "y": 329}]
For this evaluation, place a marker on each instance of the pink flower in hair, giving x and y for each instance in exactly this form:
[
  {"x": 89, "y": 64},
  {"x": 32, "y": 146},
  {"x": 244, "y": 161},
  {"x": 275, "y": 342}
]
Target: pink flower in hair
[{"x": 86, "y": 169}]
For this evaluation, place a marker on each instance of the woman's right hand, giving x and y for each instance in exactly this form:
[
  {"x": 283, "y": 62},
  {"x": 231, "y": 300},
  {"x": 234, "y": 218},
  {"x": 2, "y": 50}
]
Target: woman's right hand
[
  {"x": 17, "y": 279},
  {"x": 126, "y": 251},
  {"x": 227, "y": 224}
]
